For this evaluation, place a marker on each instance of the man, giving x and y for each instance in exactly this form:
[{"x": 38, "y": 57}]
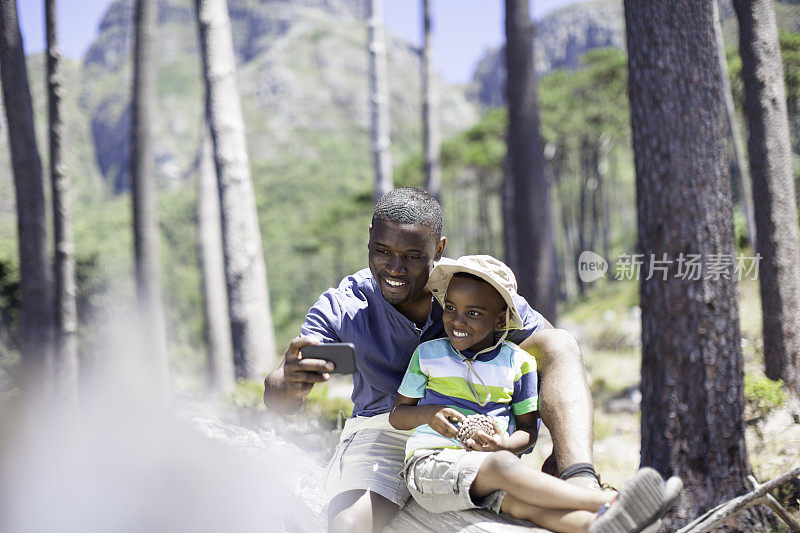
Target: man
[{"x": 386, "y": 311}]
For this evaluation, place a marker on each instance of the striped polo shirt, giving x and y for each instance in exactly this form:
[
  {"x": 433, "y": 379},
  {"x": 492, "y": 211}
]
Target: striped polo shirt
[{"x": 437, "y": 375}]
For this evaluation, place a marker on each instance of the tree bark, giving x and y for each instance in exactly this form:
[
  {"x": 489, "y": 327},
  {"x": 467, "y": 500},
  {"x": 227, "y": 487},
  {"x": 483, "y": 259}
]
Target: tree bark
[
  {"x": 145, "y": 194},
  {"x": 743, "y": 178},
  {"x": 36, "y": 307},
  {"x": 245, "y": 270},
  {"x": 774, "y": 197},
  {"x": 66, "y": 310},
  {"x": 430, "y": 118},
  {"x": 379, "y": 100},
  {"x": 219, "y": 345},
  {"x": 692, "y": 377},
  {"x": 526, "y": 196}
]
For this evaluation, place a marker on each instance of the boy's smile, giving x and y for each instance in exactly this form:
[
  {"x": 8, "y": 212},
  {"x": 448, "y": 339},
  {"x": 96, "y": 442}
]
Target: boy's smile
[{"x": 472, "y": 311}]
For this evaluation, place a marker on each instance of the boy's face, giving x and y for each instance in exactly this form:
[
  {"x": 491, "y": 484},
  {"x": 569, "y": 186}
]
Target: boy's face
[{"x": 472, "y": 311}]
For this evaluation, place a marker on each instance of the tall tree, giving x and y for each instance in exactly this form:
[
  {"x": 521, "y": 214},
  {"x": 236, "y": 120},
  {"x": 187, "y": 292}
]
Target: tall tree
[
  {"x": 145, "y": 194},
  {"x": 219, "y": 349},
  {"x": 692, "y": 377},
  {"x": 379, "y": 99},
  {"x": 526, "y": 196},
  {"x": 36, "y": 307},
  {"x": 245, "y": 270},
  {"x": 66, "y": 309},
  {"x": 774, "y": 197},
  {"x": 743, "y": 173},
  {"x": 430, "y": 117}
]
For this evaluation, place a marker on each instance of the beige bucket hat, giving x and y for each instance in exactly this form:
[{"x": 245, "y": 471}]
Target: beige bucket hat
[{"x": 486, "y": 267}]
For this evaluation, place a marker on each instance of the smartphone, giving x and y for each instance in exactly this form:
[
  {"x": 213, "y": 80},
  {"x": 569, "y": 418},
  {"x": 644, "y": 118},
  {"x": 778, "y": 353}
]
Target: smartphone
[{"x": 341, "y": 354}]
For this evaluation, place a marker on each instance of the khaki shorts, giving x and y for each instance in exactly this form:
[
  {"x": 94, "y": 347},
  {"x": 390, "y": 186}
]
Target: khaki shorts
[
  {"x": 369, "y": 459},
  {"x": 439, "y": 480}
]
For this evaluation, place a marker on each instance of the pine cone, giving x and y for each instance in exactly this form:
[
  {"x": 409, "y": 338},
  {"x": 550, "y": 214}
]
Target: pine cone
[{"x": 474, "y": 423}]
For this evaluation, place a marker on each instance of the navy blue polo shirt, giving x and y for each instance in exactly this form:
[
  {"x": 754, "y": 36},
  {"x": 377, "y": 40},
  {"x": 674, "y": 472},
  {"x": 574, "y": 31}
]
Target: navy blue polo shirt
[{"x": 384, "y": 339}]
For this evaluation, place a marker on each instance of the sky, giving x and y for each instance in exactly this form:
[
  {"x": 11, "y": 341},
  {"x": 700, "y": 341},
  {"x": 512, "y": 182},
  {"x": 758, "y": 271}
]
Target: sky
[{"x": 462, "y": 29}]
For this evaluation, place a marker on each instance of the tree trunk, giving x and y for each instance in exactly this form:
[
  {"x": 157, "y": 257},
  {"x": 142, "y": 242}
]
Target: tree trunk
[
  {"x": 36, "y": 307},
  {"x": 245, "y": 270},
  {"x": 145, "y": 194},
  {"x": 219, "y": 350},
  {"x": 379, "y": 99},
  {"x": 66, "y": 310},
  {"x": 692, "y": 376},
  {"x": 743, "y": 177},
  {"x": 773, "y": 189},
  {"x": 430, "y": 116},
  {"x": 528, "y": 227}
]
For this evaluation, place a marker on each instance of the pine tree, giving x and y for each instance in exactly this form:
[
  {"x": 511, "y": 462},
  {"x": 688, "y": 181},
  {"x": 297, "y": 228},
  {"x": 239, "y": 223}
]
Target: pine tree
[
  {"x": 245, "y": 270},
  {"x": 217, "y": 327},
  {"x": 149, "y": 299},
  {"x": 530, "y": 251},
  {"x": 430, "y": 118},
  {"x": 66, "y": 309},
  {"x": 770, "y": 152},
  {"x": 692, "y": 376},
  {"x": 379, "y": 100},
  {"x": 36, "y": 307}
]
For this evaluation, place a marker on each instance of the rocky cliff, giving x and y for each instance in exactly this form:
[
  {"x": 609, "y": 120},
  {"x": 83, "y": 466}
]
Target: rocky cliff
[
  {"x": 560, "y": 39},
  {"x": 302, "y": 67},
  {"x": 562, "y": 36}
]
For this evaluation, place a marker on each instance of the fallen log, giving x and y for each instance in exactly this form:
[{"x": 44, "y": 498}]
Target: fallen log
[{"x": 719, "y": 514}]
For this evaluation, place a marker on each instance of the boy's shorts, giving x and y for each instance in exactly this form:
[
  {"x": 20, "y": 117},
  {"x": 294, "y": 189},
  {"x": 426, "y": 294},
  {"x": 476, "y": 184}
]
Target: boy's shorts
[
  {"x": 369, "y": 458},
  {"x": 440, "y": 480}
]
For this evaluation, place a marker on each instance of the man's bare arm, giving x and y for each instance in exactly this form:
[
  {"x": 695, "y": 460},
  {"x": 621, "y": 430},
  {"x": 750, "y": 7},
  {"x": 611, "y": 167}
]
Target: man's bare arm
[
  {"x": 287, "y": 386},
  {"x": 565, "y": 400}
]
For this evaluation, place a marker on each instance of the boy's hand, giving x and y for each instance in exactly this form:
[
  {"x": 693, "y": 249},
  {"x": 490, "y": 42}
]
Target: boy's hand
[
  {"x": 442, "y": 420},
  {"x": 483, "y": 442}
]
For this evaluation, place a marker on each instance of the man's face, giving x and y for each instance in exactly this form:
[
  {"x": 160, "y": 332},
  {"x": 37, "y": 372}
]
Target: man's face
[{"x": 401, "y": 257}]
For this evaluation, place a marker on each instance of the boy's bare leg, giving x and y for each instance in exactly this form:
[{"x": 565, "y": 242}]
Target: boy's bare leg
[
  {"x": 504, "y": 471},
  {"x": 564, "y": 521},
  {"x": 566, "y": 404},
  {"x": 359, "y": 511}
]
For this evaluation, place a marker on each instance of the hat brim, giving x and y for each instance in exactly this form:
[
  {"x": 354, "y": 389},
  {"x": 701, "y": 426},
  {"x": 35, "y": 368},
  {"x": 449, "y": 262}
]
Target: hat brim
[{"x": 443, "y": 272}]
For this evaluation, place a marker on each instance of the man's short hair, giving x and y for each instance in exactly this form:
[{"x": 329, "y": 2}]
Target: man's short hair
[{"x": 410, "y": 205}]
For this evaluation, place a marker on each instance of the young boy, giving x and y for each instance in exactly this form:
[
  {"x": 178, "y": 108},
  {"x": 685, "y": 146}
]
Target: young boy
[{"x": 471, "y": 372}]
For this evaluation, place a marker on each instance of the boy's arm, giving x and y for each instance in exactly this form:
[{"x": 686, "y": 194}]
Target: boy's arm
[
  {"x": 406, "y": 414},
  {"x": 523, "y": 438}
]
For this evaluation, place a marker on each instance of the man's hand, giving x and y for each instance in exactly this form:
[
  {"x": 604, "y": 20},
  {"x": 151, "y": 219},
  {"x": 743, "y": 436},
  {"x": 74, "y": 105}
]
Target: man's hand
[
  {"x": 285, "y": 388},
  {"x": 441, "y": 419},
  {"x": 301, "y": 374}
]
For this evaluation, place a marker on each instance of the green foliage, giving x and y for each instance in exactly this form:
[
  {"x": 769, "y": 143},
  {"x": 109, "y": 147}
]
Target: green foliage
[
  {"x": 580, "y": 105},
  {"x": 246, "y": 395},
  {"x": 321, "y": 406},
  {"x": 762, "y": 395},
  {"x": 618, "y": 297},
  {"x": 9, "y": 326}
]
